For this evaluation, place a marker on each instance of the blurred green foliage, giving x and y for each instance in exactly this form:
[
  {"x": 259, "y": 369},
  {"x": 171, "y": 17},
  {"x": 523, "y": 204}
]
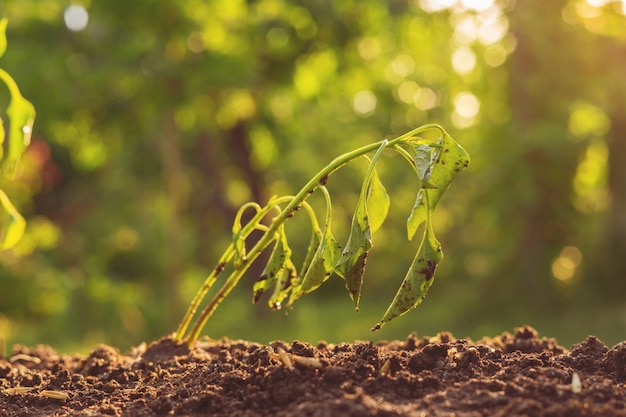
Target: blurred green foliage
[{"x": 157, "y": 120}]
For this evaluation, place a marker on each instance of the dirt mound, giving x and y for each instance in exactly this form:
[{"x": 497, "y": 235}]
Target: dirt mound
[{"x": 516, "y": 374}]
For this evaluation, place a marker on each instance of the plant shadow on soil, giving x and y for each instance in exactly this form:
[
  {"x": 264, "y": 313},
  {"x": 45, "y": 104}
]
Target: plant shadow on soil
[{"x": 508, "y": 375}]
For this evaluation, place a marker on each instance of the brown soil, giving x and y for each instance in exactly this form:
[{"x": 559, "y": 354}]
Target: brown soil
[{"x": 510, "y": 375}]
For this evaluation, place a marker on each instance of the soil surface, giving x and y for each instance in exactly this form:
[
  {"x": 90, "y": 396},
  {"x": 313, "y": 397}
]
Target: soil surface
[{"x": 518, "y": 374}]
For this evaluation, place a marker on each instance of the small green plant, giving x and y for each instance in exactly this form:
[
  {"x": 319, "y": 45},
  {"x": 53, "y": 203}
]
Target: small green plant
[
  {"x": 435, "y": 162},
  {"x": 21, "y": 115}
]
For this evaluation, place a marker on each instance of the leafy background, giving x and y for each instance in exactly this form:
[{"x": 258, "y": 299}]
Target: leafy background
[{"x": 157, "y": 120}]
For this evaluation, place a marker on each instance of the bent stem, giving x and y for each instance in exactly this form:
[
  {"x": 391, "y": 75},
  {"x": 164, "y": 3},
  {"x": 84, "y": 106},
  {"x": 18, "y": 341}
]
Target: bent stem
[{"x": 226, "y": 258}]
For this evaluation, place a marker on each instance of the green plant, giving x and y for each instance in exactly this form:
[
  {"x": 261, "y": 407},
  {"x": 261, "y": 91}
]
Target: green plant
[
  {"x": 436, "y": 163},
  {"x": 21, "y": 115}
]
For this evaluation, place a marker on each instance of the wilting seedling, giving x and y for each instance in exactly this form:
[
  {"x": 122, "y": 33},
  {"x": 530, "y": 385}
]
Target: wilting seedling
[{"x": 435, "y": 162}]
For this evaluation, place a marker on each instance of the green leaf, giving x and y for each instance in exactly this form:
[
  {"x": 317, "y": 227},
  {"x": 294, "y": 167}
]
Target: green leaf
[
  {"x": 377, "y": 203},
  {"x": 448, "y": 159},
  {"x": 421, "y": 158},
  {"x": 12, "y": 224},
  {"x": 280, "y": 256},
  {"x": 351, "y": 264},
  {"x": 284, "y": 284},
  {"x": 324, "y": 260},
  {"x": 418, "y": 279},
  {"x": 21, "y": 115},
  {"x": 3, "y": 35}
]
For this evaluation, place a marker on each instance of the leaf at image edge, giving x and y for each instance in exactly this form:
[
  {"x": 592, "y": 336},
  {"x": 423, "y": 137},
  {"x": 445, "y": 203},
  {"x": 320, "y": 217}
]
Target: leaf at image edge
[
  {"x": 13, "y": 224},
  {"x": 21, "y": 113},
  {"x": 3, "y": 35}
]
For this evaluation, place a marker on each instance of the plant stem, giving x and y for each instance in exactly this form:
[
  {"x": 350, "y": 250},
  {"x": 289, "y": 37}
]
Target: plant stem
[
  {"x": 10, "y": 83},
  {"x": 227, "y": 256}
]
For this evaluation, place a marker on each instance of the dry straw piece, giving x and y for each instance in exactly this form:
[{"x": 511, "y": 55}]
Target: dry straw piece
[{"x": 56, "y": 395}]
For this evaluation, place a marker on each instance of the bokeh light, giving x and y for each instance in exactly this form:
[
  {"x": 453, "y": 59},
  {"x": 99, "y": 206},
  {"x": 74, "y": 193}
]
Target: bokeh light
[{"x": 76, "y": 17}]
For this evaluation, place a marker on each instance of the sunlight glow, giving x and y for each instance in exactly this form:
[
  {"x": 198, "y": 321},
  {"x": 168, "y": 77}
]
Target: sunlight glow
[
  {"x": 432, "y": 6},
  {"x": 586, "y": 10},
  {"x": 466, "y": 105},
  {"x": 239, "y": 105},
  {"x": 493, "y": 31},
  {"x": 591, "y": 193},
  {"x": 369, "y": 48},
  {"x": 588, "y": 120},
  {"x": 466, "y": 108},
  {"x": 477, "y": 5},
  {"x": 489, "y": 26},
  {"x": 463, "y": 60},
  {"x": 76, "y": 18},
  {"x": 403, "y": 65},
  {"x": 263, "y": 147},
  {"x": 465, "y": 29},
  {"x": 407, "y": 91},
  {"x": 564, "y": 266},
  {"x": 364, "y": 103},
  {"x": 597, "y": 4},
  {"x": 426, "y": 99}
]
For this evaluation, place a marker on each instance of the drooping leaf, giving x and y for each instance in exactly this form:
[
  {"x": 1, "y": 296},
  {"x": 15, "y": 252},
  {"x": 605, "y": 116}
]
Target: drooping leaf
[
  {"x": 270, "y": 272},
  {"x": 351, "y": 264},
  {"x": 280, "y": 256},
  {"x": 418, "y": 279},
  {"x": 377, "y": 202},
  {"x": 322, "y": 267},
  {"x": 284, "y": 284},
  {"x": 12, "y": 224},
  {"x": 323, "y": 262},
  {"x": 447, "y": 160}
]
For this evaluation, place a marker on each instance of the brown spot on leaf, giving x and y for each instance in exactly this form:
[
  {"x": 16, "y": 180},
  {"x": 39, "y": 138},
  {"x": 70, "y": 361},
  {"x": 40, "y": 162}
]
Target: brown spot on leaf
[{"x": 429, "y": 270}]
